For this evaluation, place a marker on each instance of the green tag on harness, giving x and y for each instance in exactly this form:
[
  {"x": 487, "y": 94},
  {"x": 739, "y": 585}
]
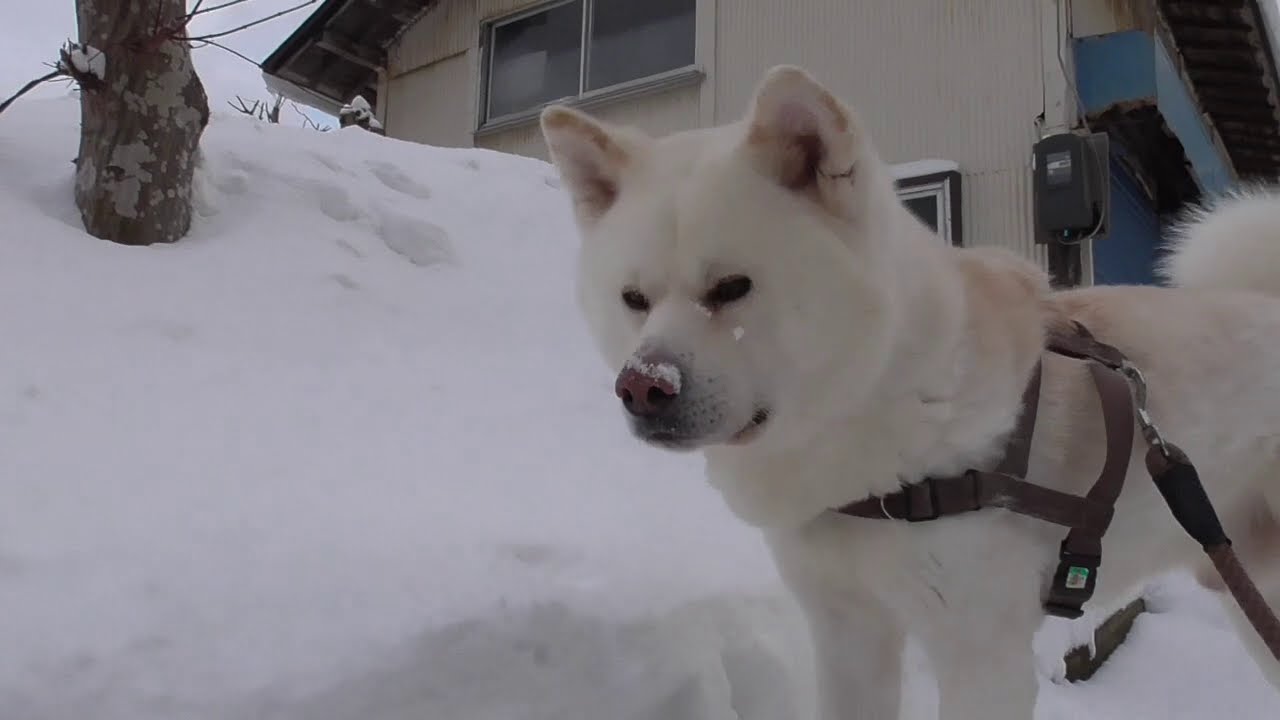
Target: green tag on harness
[{"x": 1077, "y": 578}]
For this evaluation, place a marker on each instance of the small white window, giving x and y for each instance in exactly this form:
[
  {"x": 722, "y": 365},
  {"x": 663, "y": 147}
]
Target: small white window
[
  {"x": 566, "y": 49},
  {"x": 931, "y": 190}
]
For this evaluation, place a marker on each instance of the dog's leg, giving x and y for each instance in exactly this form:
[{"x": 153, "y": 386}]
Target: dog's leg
[
  {"x": 859, "y": 648},
  {"x": 985, "y": 665}
]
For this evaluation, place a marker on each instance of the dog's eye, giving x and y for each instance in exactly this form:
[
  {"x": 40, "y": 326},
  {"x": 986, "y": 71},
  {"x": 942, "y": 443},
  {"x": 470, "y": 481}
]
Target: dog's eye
[
  {"x": 635, "y": 300},
  {"x": 730, "y": 289}
]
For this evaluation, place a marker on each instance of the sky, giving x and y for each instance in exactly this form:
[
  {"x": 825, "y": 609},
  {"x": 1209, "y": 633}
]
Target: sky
[{"x": 32, "y": 31}]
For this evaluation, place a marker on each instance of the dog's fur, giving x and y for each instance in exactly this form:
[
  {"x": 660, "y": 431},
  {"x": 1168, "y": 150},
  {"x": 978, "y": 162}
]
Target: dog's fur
[{"x": 881, "y": 356}]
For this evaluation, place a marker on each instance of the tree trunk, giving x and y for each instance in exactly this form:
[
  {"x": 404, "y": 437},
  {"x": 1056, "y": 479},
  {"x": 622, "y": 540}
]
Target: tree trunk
[{"x": 140, "y": 128}]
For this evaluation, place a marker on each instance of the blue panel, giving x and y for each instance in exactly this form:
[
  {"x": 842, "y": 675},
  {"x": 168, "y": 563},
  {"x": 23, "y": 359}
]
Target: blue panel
[
  {"x": 1135, "y": 67},
  {"x": 1115, "y": 67},
  {"x": 1127, "y": 255}
]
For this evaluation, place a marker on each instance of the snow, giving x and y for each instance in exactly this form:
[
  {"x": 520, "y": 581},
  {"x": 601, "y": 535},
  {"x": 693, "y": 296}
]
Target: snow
[
  {"x": 920, "y": 168},
  {"x": 359, "y": 107},
  {"x": 664, "y": 372},
  {"x": 345, "y": 453},
  {"x": 86, "y": 60}
]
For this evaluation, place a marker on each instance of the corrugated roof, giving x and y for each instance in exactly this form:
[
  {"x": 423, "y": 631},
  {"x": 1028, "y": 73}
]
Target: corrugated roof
[{"x": 1227, "y": 49}]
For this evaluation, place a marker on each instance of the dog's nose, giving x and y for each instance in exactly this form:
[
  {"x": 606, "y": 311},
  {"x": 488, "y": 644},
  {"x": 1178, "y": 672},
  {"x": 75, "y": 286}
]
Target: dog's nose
[{"x": 647, "y": 391}]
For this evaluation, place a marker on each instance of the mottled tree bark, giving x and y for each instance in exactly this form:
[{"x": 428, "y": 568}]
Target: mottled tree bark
[{"x": 140, "y": 129}]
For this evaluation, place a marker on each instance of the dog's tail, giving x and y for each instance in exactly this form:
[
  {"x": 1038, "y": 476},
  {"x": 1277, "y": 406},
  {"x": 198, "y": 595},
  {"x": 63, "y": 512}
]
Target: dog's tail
[{"x": 1232, "y": 242}]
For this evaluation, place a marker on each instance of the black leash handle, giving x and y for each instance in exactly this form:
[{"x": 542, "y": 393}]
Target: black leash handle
[{"x": 1179, "y": 483}]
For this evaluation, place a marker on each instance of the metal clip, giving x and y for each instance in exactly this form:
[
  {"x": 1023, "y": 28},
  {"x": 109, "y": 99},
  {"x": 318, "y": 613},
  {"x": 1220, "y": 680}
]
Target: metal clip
[{"x": 1138, "y": 382}]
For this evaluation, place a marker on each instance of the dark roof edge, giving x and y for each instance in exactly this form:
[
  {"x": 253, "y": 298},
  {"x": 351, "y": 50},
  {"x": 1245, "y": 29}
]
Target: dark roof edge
[{"x": 297, "y": 39}]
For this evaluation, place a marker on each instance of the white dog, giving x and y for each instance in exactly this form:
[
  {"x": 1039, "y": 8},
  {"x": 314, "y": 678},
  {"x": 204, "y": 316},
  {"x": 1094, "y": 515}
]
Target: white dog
[{"x": 769, "y": 302}]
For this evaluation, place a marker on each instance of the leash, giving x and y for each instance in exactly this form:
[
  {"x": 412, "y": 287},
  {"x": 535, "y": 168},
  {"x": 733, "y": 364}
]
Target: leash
[{"x": 1122, "y": 390}]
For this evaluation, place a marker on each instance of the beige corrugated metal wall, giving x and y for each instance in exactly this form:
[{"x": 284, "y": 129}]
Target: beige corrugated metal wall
[
  {"x": 435, "y": 77},
  {"x": 433, "y": 104},
  {"x": 659, "y": 114},
  {"x": 931, "y": 79}
]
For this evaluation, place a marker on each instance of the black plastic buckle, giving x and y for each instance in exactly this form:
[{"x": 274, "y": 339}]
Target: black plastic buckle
[
  {"x": 909, "y": 497},
  {"x": 1073, "y": 583}
]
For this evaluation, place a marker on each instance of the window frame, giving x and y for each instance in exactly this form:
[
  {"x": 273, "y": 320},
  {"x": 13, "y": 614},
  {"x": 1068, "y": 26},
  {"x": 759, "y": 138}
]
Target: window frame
[
  {"x": 945, "y": 187},
  {"x": 688, "y": 74}
]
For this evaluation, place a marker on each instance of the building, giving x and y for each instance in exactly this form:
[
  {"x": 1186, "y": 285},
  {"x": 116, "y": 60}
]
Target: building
[{"x": 956, "y": 93}]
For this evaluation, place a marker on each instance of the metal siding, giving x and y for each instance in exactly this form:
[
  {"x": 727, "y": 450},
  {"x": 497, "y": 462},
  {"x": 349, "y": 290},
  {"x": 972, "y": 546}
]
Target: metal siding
[
  {"x": 908, "y": 67},
  {"x": 433, "y": 104},
  {"x": 929, "y": 78},
  {"x": 448, "y": 28},
  {"x": 1098, "y": 17},
  {"x": 435, "y": 84},
  {"x": 657, "y": 114}
]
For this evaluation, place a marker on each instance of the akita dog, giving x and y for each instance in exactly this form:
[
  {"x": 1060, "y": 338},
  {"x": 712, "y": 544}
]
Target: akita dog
[{"x": 769, "y": 302}]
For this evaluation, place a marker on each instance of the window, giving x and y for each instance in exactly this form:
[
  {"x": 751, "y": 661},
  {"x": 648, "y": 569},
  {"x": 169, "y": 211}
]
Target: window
[
  {"x": 570, "y": 49},
  {"x": 931, "y": 191}
]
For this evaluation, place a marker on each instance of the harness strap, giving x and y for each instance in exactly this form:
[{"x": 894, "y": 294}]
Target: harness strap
[
  {"x": 1088, "y": 517},
  {"x": 939, "y": 497},
  {"x": 1081, "y": 345},
  {"x": 1081, "y": 551}
]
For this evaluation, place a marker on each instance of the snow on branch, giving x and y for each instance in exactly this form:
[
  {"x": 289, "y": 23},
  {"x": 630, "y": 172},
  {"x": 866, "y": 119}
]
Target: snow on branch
[
  {"x": 87, "y": 65},
  {"x": 84, "y": 64}
]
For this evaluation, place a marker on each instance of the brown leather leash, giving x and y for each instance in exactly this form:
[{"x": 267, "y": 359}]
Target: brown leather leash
[{"x": 1122, "y": 391}]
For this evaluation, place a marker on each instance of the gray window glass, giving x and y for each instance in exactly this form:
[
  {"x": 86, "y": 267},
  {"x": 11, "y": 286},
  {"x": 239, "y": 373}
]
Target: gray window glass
[
  {"x": 925, "y": 208},
  {"x": 630, "y": 39},
  {"x": 535, "y": 59}
]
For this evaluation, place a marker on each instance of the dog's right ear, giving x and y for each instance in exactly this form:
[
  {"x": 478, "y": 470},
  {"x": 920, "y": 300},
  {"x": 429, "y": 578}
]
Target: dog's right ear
[
  {"x": 589, "y": 156},
  {"x": 803, "y": 137}
]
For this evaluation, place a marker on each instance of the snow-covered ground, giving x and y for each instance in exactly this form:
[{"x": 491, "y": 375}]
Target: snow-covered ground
[{"x": 345, "y": 454}]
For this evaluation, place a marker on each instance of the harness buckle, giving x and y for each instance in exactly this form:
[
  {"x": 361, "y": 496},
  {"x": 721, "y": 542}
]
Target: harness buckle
[
  {"x": 915, "y": 513},
  {"x": 1150, "y": 432},
  {"x": 1073, "y": 583}
]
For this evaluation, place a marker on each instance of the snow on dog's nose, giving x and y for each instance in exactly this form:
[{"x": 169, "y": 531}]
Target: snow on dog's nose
[{"x": 648, "y": 386}]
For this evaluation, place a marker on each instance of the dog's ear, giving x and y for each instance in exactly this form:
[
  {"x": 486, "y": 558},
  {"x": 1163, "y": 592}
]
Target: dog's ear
[
  {"x": 590, "y": 157},
  {"x": 802, "y": 136}
]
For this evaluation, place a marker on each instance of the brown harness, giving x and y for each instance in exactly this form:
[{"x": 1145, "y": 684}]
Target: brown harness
[{"x": 1087, "y": 517}]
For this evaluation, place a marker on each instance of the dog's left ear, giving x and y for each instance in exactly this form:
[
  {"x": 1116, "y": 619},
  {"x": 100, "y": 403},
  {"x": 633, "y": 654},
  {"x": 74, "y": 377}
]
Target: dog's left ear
[
  {"x": 802, "y": 136},
  {"x": 590, "y": 156}
]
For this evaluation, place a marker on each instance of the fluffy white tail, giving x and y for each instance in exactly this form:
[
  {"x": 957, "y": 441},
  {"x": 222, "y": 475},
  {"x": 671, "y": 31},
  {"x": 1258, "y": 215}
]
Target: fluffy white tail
[{"x": 1231, "y": 243}]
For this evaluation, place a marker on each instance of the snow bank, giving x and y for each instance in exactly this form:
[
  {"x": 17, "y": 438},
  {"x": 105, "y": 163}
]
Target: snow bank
[
  {"x": 347, "y": 431},
  {"x": 344, "y": 453}
]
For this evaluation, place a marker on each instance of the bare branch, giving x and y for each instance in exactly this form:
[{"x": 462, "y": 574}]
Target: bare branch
[
  {"x": 243, "y": 107},
  {"x": 220, "y": 46},
  {"x": 247, "y": 25},
  {"x": 197, "y": 11},
  {"x": 31, "y": 86},
  {"x": 273, "y": 113},
  {"x": 307, "y": 122}
]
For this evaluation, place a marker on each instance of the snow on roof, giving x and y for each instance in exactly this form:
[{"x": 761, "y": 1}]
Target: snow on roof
[{"x": 920, "y": 168}]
